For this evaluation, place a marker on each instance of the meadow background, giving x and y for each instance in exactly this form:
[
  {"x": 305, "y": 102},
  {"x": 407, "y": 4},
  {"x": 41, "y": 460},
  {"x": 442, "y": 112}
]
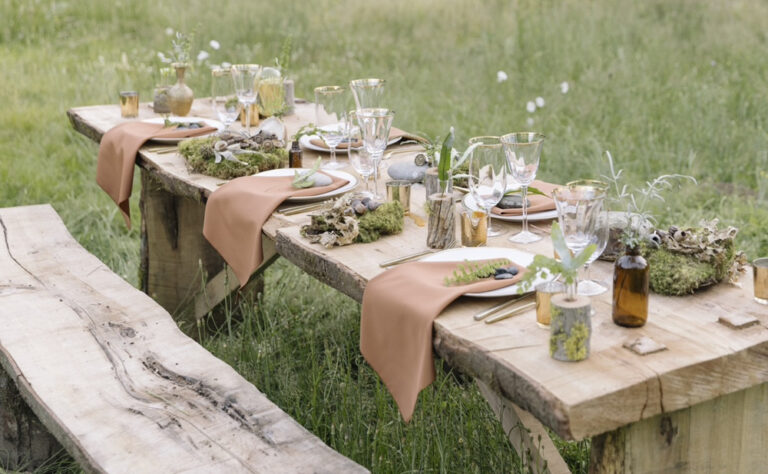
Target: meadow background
[{"x": 667, "y": 86}]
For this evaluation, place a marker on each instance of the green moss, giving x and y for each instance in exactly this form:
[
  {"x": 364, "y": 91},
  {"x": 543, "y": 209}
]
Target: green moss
[
  {"x": 576, "y": 343},
  {"x": 201, "y": 159},
  {"x": 387, "y": 219},
  {"x": 677, "y": 274}
]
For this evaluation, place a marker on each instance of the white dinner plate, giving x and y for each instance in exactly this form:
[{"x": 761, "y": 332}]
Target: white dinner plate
[
  {"x": 336, "y": 192},
  {"x": 487, "y": 253},
  {"x": 306, "y": 142},
  {"x": 536, "y": 216},
  {"x": 207, "y": 122}
]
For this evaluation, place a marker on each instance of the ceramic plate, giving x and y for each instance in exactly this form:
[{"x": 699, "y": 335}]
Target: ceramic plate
[
  {"x": 537, "y": 216},
  {"x": 306, "y": 142},
  {"x": 486, "y": 253},
  {"x": 339, "y": 174},
  {"x": 207, "y": 122}
]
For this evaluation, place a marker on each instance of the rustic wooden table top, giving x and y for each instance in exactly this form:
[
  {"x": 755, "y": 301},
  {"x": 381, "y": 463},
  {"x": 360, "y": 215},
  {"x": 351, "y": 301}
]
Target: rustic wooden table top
[{"x": 704, "y": 359}]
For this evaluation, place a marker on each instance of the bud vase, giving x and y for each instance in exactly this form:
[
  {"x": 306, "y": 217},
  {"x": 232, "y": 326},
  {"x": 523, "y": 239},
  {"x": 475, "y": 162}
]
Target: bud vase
[
  {"x": 441, "y": 219},
  {"x": 570, "y": 328},
  {"x": 180, "y": 96}
]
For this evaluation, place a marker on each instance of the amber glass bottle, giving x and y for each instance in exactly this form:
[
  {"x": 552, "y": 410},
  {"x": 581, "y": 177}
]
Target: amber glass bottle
[{"x": 630, "y": 289}]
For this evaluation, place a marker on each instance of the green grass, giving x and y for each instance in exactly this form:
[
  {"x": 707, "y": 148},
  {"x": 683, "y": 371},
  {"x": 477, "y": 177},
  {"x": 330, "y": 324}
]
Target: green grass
[{"x": 667, "y": 86}]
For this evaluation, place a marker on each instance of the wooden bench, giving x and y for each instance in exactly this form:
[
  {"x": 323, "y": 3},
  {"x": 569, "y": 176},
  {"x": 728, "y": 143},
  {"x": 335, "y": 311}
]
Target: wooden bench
[{"x": 109, "y": 374}]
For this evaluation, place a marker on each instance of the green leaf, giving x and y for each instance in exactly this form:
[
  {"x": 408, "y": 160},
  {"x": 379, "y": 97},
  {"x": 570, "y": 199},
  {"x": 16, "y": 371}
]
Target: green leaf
[
  {"x": 306, "y": 179},
  {"x": 531, "y": 190},
  {"x": 444, "y": 167},
  {"x": 558, "y": 242}
]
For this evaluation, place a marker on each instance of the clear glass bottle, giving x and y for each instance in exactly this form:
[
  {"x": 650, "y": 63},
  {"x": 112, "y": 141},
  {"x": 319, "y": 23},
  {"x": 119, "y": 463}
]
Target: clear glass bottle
[{"x": 630, "y": 289}]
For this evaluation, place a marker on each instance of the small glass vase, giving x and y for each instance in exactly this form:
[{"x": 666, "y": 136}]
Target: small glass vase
[
  {"x": 630, "y": 289},
  {"x": 441, "y": 210},
  {"x": 180, "y": 96}
]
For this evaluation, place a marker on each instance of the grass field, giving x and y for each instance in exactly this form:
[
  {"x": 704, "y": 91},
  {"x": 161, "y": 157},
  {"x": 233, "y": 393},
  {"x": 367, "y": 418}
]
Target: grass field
[{"x": 667, "y": 86}]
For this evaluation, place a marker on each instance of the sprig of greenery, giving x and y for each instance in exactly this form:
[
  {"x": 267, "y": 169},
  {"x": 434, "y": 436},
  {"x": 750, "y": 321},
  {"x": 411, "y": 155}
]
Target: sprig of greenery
[
  {"x": 306, "y": 179},
  {"x": 531, "y": 190},
  {"x": 444, "y": 165},
  {"x": 181, "y": 47},
  {"x": 283, "y": 62},
  {"x": 308, "y": 129},
  {"x": 469, "y": 272},
  {"x": 636, "y": 208},
  {"x": 568, "y": 266}
]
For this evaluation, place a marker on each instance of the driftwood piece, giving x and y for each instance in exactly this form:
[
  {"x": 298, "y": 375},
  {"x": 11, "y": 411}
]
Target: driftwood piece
[
  {"x": 110, "y": 375},
  {"x": 441, "y": 221}
]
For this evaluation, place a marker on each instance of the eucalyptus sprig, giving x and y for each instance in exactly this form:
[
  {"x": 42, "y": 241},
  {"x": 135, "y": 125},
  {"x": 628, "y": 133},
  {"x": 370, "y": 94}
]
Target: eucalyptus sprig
[
  {"x": 568, "y": 266},
  {"x": 635, "y": 201},
  {"x": 306, "y": 179},
  {"x": 469, "y": 272},
  {"x": 308, "y": 129}
]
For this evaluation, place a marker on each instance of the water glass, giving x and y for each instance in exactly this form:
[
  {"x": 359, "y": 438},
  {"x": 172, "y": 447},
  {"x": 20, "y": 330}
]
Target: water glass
[
  {"x": 331, "y": 120},
  {"x": 223, "y": 98},
  {"x": 359, "y": 158},
  {"x": 523, "y": 150},
  {"x": 368, "y": 93},
  {"x": 487, "y": 175},
  {"x": 245, "y": 78},
  {"x": 374, "y": 128}
]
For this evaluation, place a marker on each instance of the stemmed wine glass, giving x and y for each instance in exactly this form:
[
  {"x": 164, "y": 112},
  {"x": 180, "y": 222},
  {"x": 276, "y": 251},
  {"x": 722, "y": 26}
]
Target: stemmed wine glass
[
  {"x": 368, "y": 93},
  {"x": 331, "y": 120},
  {"x": 223, "y": 97},
  {"x": 523, "y": 150},
  {"x": 246, "y": 80},
  {"x": 578, "y": 211},
  {"x": 487, "y": 175},
  {"x": 374, "y": 127},
  {"x": 588, "y": 287},
  {"x": 359, "y": 158}
]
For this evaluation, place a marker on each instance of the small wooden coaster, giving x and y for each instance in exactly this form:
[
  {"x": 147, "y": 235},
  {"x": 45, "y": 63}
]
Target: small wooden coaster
[
  {"x": 737, "y": 321},
  {"x": 644, "y": 345}
]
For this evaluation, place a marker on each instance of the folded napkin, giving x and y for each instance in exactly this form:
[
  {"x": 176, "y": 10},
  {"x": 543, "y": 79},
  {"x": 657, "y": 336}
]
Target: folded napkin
[
  {"x": 236, "y": 212},
  {"x": 399, "y": 306},
  {"x": 117, "y": 155},
  {"x": 393, "y": 133},
  {"x": 538, "y": 203}
]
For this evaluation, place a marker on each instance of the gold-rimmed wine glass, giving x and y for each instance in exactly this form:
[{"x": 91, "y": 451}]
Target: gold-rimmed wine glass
[{"x": 523, "y": 150}]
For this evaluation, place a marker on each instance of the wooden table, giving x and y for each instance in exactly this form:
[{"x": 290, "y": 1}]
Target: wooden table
[{"x": 698, "y": 406}]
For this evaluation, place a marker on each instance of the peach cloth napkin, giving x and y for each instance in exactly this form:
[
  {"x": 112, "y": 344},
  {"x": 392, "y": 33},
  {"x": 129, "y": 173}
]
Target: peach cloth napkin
[
  {"x": 538, "y": 202},
  {"x": 117, "y": 156},
  {"x": 236, "y": 212},
  {"x": 399, "y": 306},
  {"x": 393, "y": 133}
]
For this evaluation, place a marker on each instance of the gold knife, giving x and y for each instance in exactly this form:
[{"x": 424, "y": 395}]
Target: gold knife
[
  {"x": 513, "y": 312},
  {"x": 515, "y": 299},
  {"x": 399, "y": 260}
]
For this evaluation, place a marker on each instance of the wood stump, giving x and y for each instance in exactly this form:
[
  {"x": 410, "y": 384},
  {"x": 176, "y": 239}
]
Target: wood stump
[
  {"x": 441, "y": 224},
  {"x": 431, "y": 185},
  {"x": 570, "y": 328}
]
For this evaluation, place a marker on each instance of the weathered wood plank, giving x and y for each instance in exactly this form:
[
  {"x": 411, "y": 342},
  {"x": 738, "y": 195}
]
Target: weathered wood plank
[
  {"x": 109, "y": 373},
  {"x": 727, "y": 434}
]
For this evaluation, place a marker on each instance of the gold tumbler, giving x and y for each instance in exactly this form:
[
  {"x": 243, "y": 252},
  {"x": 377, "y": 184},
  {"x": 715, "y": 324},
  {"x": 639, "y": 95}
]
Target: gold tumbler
[
  {"x": 399, "y": 190},
  {"x": 544, "y": 293},
  {"x": 129, "y": 104},
  {"x": 760, "y": 269},
  {"x": 474, "y": 227}
]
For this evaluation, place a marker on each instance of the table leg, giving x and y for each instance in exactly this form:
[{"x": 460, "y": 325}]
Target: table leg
[
  {"x": 176, "y": 260},
  {"x": 727, "y": 434},
  {"x": 527, "y": 435}
]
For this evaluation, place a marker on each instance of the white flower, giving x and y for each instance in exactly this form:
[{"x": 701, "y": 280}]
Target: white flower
[
  {"x": 202, "y": 56},
  {"x": 564, "y": 87},
  {"x": 169, "y": 31},
  {"x": 713, "y": 63},
  {"x": 501, "y": 76},
  {"x": 529, "y": 121},
  {"x": 530, "y": 106},
  {"x": 540, "y": 101},
  {"x": 226, "y": 65},
  {"x": 215, "y": 45}
]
